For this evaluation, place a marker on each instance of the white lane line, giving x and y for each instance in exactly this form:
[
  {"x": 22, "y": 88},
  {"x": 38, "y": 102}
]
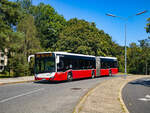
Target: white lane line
[
  {"x": 147, "y": 96},
  {"x": 24, "y": 94},
  {"x": 146, "y": 99}
]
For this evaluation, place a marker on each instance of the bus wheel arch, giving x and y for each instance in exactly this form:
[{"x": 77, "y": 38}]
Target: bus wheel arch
[
  {"x": 93, "y": 74},
  {"x": 110, "y": 72},
  {"x": 69, "y": 76}
]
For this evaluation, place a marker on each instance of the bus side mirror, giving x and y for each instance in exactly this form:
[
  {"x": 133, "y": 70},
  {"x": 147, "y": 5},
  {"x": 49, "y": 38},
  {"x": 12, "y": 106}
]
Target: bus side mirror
[
  {"x": 57, "y": 59},
  {"x": 29, "y": 58}
]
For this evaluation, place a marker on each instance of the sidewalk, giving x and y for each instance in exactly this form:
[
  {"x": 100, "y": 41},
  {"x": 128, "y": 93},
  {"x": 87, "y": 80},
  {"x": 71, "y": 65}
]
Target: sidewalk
[
  {"x": 16, "y": 80},
  {"x": 106, "y": 97}
]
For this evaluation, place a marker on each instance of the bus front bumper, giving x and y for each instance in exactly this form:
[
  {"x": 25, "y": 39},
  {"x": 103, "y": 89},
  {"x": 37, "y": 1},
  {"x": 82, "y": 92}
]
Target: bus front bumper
[{"x": 45, "y": 76}]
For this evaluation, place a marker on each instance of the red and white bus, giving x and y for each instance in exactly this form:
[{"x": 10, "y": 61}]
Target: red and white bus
[
  {"x": 60, "y": 66},
  {"x": 108, "y": 66}
]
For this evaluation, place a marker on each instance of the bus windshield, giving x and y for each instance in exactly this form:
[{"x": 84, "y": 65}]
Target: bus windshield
[{"x": 45, "y": 64}]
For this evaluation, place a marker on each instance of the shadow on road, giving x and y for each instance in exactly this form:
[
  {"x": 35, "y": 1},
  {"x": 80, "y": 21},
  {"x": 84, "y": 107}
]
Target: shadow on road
[{"x": 144, "y": 82}]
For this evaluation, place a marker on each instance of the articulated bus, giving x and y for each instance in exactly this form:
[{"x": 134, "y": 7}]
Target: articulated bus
[{"x": 61, "y": 66}]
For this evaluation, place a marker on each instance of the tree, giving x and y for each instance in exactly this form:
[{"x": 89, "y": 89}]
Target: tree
[
  {"x": 20, "y": 40},
  {"x": 9, "y": 17},
  {"x": 80, "y": 36},
  {"x": 48, "y": 23},
  {"x": 25, "y": 4},
  {"x": 133, "y": 58},
  {"x": 15, "y": 58},
  {"x": 148, "y": 26},
  {"x": 145, "y": 56},
  {"x": 21, "y": 44},
  {"x": 31, "y": 43}
]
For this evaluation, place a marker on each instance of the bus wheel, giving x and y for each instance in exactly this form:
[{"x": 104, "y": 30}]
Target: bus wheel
[
  {"x": 110, "y": 73},
  {"x": 93, "y": 75},
  {"x": 69, "y": 76}
]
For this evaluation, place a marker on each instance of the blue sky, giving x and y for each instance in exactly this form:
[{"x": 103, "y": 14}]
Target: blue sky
[{"x": 95, "y": 10}]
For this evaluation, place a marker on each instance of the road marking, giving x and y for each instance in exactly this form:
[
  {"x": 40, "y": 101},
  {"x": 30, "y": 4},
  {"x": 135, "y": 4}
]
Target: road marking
[
  {"x": 146, "y": 99},
  {"x": 147, "y": 96},
  {"x": 11, "y": 98}
]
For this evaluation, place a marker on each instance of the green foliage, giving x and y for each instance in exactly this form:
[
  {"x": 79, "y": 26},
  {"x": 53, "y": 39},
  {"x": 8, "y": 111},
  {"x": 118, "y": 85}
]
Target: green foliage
[
  {"x": 18, "y": 65},
  {"x": 133, "y": 59},
  {"x": 30, "y": 44},
  {"x": 139, "y": 57},
  {"x": 80, "y": 36},
  {"x": 9, "y": 12},
  {"x": 48, "y": 23},
  {"x": 25, "y": 4},
  {"x": 9, "y": 16},
  {"x": 26, "y": 29},
  {"x": 16, "y": 60},
  {"x": 20, "y": 42},
  {"x": 148, "y": 26}
]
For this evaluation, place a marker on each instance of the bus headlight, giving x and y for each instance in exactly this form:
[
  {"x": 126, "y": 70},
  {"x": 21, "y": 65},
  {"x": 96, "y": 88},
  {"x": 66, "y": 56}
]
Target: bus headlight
[{"x": 52, "y": 75}]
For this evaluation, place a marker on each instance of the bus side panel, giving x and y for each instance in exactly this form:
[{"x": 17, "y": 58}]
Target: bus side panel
[
  {"x": 114, "y": 70},
  {"x": 104, "y": 72},
  {"x": 81, "y": 73},
  {"x": 87, "y": 73},
  {"x": 75, "y": 74},
  {"x": 60, "y": 76}
]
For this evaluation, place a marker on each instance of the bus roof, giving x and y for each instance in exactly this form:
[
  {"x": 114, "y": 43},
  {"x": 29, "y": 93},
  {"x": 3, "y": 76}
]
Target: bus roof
[
  {"x": 114, "y": 58},
  {"x": 66, "y": 53},
  {"x": 74, "y": 54},
  {"x": 103, "y": 57}
]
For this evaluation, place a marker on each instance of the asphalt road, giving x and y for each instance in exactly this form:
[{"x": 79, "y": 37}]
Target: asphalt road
[
  {"x": 44, "y": 97},
  {"x": 136, "y": 96}
]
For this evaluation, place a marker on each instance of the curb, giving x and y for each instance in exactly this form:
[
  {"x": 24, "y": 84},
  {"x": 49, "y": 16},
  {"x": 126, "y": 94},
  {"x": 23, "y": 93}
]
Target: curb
[
  {"x": 78, "y": 107},
  {"x": 17, "y": 82},
  {"x": 120, "y": 98},
  {"x": 120, "y": 95}
]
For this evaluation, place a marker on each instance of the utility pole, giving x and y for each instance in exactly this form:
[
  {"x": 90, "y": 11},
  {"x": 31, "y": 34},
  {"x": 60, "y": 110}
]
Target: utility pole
[{"x": 126, "y": 19}]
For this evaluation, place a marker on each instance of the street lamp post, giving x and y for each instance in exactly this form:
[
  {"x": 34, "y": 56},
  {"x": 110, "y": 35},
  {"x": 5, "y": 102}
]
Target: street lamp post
[{"x": 125, "y": 19}]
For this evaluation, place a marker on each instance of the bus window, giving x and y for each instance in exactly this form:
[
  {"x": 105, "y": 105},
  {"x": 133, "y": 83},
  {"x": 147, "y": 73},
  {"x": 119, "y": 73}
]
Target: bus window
[
  {"x": 44, "y": 65},
  {"x": 75, "y": 64},
  {"x": 60, "y": 65}
]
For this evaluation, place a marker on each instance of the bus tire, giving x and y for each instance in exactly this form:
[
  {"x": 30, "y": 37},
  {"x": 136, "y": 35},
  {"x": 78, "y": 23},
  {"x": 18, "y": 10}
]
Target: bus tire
[
  {"x": 93, "y": 74},
  {"x": 69, "y": 76},
  {"x": 110, "y": 73}
]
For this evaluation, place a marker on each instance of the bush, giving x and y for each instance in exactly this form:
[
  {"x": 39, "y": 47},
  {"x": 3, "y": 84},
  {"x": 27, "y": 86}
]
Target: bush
[{"x": 19, "y": 66}]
